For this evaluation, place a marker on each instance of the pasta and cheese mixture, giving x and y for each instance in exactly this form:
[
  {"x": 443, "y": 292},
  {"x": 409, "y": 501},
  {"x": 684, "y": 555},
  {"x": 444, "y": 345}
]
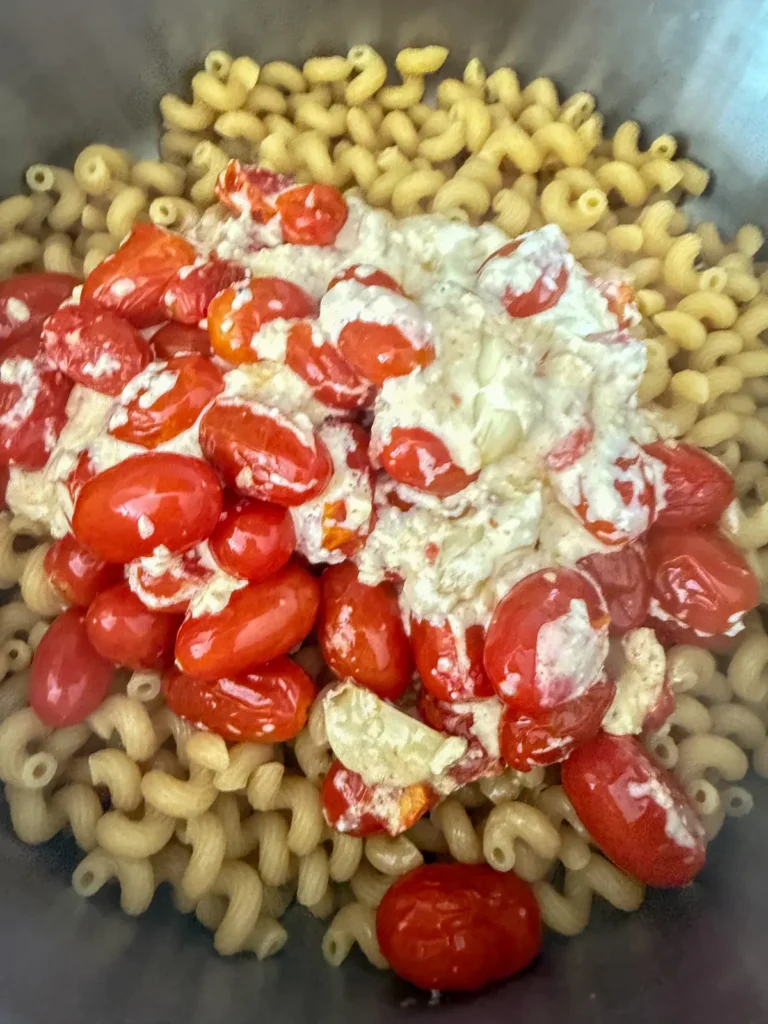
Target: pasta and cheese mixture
[{"x": 386, "y": 490}]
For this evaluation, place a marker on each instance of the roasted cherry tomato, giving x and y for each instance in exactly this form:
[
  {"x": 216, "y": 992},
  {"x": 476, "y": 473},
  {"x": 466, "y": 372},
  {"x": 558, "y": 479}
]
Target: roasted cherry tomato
[
  {"x": 181, "y": 340},
  {"x": 451, "y": 667},
  {"x": 350, "y": 805},
  {"x": 167, "y": 584},
  {"x": 133, "y": 281},
  {"x": 253, "y": 539},
  {"x": 263, "y": 454},
  {"x": 635, "y": 811},
  {"x": 622, "y": 577},
  {"x": 469, "y": 720},
  {"x": 5, "y": 475},
  {"x": 126, "y": 632},
  {"x": 700, "y": 579},
  {"x": 83, "y": 472},
  {"x": 77, "y": 574},
  {"x": 697, "y": 489},
  {"x": 457, "y": 927},
  {"x": 69, "y": 678},
  {"x": 246, "y": 188},
  {"x": 418, "y": 458},
  {"x": 332, "y": 380},
  {"x": 555, "y": 733},
  {"x": 547, "y": 641},
  {"x": 507, "y": 274},
  {"x": 380, "y": 351},
  {"x": 260, "y": 622},
  {"x": 634, "y": 501},
  {"x": 27, "y": 300},
  {"x": 368, "y": 275},
  {"x": 311, "y": 214},
  {"x": 191, "y": 291},
  {"x": 570, "y": 448},
  {"x": 148, "y": 501},
  {"x": 361, "y": 633},
  {"x": 33, "y": 411},
  {"x": 167, "y": 400},
  {"x": 236, "y": 315},
  {"x": 268, "y": 704}
]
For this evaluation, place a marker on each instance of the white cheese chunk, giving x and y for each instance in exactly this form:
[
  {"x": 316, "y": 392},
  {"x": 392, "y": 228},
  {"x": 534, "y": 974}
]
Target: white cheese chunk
[{"x": 638, "y": 684}]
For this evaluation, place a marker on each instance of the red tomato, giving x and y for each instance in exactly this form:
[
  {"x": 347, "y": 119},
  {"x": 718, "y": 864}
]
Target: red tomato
[
  {"x": 418, "y": 458},
  {"x": 253, "y": 539},
  {"x": 620, "y": 297},
  {"x": 260, "y": 622},
  {"x": 361, "y": 633},
  {"x": 263, "y": 454},
  {"x": 311, "y": 214},
  {"x": 622, "y": 576},
  {"x": 191, "y": 291},
  {"x": 450, "y": 666},
  {"x": 570, "y": 448},
  {"x": 268, "y": 704},
  {"x": 173, "y": 587},
  {"x": 197, "y": 383},
  {"x": 5, "y": 475},
  {"x": 33, "y": 412},
  {"x": 77, "y": 574},
  {"x": 477, "y": 762},
  {"x": 236, "y": 315},
  {"x": 28, "y": 299},
  {"x": 353, "y": 807},
  {"x": 69, "y": 678},
  {"x": 133, "y": 281},
  {"x": 126, "y": 632},
  {"x": 246, "y": 188},
  {"x": 155, "y": 500},
  {"x": 181, "y": 340},
  {"x": 697, "y": 489},
  {"x": 531, "y": 680},
  {"x": 670, "y": 633},
  {"x": 457, "y": 927},
  {"x": 635, "y": 811},
  {"x": 555, "y": 733},
  {"x": 380, "y": 351},
  {"x": 635, "y": 503},
  {"x": 97, "y": 349},
  {"x": 368, "y": 275},
  {"x": 524, "y": 253},
  {"x": 700, "y": 579},
  {"x": 83, "y": 472},
  {"x": 329, "y": 375}
]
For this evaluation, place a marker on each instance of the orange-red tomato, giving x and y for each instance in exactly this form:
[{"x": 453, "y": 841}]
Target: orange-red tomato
[
  {"x": 418, "y": 458},
  {"x": 197, "y": 383},
  {"x": 635, "y": 490},
  {"x": 77, "y": 574},
  {"x": 329, "y": 375},
  {"x": 133, "y": 281},
  {"x": 380, "y": 351},
  {"x": 513, "y": 659},
  {"x": 33, "y": 412},
  {"x": 477, "y": 762},
  {"x": 176, "y": 339},
  {"x": 622, "y": 577},
  {"x": 247, "y": 188},
  {"x": 236, "y": 315},
  {"x": 635, "y": 811},
  {"x": 451, "y": 667},
  {"x": 191, "y": 291},
  {"x": 368, "y": 275},
  {"x": 350, "y": 805},
  {"x": 268, "y": 704},
  {"x": 171, "y": 589},
  {"x": 697, "y": 489},
  {"x": 253, "y": 539},
  {"x": 311, "y": 214},
  {"x": 95, "y": 348},
  {"x": 458, "y": 927},
  {"x": 260, "y": 622},
  {"x": 126, "y": 632},
  {"x": 68, "y": 678},
  {"x": 570, "y": 448},
  {"x": 361, "y": 633},
  {"x": 620, "y": 297},
  {"x": 26, "y": 301},
  {"x": 263, "y": 454},
  {"x": 547, "y": 290},
  {"x": 155, "y": 500}
]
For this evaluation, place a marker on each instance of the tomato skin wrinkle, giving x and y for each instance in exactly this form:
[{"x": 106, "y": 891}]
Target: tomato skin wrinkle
[
  {"x": 623, "y": 579},
  {"x": 697, "y": 488},
  {"x": 191, "y": 291},
  {"x": 177, "y": 339},
  {"x": 126, "y": 632}
]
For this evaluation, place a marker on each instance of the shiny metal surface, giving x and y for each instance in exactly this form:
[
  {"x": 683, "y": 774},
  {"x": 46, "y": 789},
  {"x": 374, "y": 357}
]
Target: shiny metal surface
[{"x": 87, "y": 69}]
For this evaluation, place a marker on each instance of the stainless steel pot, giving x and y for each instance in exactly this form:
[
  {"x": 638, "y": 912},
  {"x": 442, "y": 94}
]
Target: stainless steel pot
[{"x": 86, "y": 70}]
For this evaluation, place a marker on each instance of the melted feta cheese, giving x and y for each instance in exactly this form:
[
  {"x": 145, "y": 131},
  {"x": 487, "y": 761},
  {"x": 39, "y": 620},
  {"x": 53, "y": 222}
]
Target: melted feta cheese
[
  {"x": 570, "y": 655},
  {"x": 638, "y": 684}
]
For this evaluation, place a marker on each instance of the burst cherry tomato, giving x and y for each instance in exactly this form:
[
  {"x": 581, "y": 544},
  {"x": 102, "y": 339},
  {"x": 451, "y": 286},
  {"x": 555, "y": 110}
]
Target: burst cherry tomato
[
  {"x": 77, "y": 574},
  {"x": 148, "y": 501},
  {"x": 361, "y": 633},
  {"x": 123, "y": 630},
  {"x": 191, "y": 291},
  {"x": 268, "y": 704},
  {"x": 697, "y": 490},
  {"x": 263, "y": 454},
  {"x": 246, "y": 188},
  {"x": 331, "y": 378},
  {"x": 133, "y": 281},
  {"x": 700, "y": 579},
  {"x": 181, "y": 340},
  {"x": 450, "y": 666},
  {"x": 236, "y": 315},
  {"x": 480, "y": 759},
  {"x": 27, "y": 300},
  {"x": 381, "y": 351},
  {"x": 634, "y": 497},
  {"x": 547, "y": 641},
  {"x": 69, "y": 678},
  {"x": 507, "y": 273},
  {"x": 151, "y": 421},
  {"x": 623, "y": 579},
  {"x": 418, "y": 458},
  {"x": 170, "y": 585},
  {"x": 457, "y": 927},
  {"x": 368, "y": 275},
  {"x": 311, "y": 214},
  {"x": 635, "y": 811},
  {"x": 253, "y": 539},
  {"x": 260, "y": 622},
  {"x": 33, "y": 412},
  {"x": 357, "y": 809}
]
